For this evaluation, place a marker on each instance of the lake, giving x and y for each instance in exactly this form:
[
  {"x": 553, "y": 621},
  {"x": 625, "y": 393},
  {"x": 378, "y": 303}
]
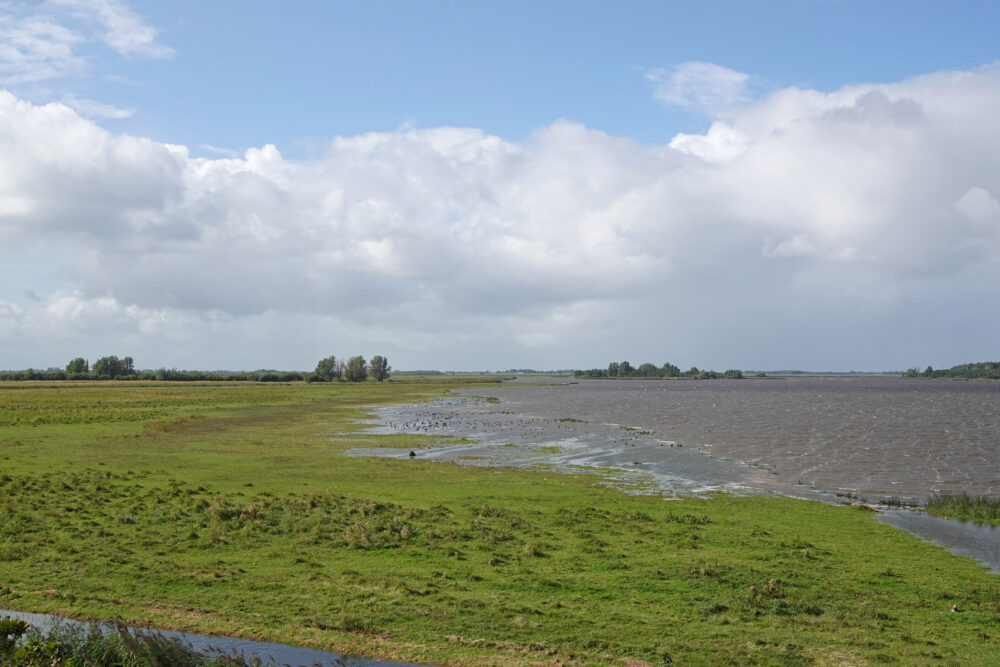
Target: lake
[{"x": 874, "y": 437}]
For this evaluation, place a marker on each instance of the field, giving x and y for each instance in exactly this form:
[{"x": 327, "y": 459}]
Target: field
[{"x": 228, "y": 509}]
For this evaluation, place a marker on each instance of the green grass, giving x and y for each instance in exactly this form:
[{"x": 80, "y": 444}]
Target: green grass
[
  {"x": 985, "y": 509},
  {"x": 230, "y": 509}
]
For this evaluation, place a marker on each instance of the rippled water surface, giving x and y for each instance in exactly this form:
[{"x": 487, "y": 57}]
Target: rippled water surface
[{"x": 874, "y": 437}]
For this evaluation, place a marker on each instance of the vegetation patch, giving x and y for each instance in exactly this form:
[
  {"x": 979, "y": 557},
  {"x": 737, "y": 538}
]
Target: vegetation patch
[
  {"x": 113, "y": 645},
  {"x": 985, "y": 509}
]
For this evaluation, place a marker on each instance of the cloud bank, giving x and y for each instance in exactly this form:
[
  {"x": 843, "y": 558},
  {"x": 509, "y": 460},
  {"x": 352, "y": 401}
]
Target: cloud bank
[{"x": 803, "y": 229}]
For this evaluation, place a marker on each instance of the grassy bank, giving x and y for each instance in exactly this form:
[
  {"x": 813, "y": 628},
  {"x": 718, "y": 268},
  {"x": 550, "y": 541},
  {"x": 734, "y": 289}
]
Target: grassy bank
[
  {"x": 229, "y": 509},
  {"x": 117, "y": 646},
  {"x": 985, "y": 509}
]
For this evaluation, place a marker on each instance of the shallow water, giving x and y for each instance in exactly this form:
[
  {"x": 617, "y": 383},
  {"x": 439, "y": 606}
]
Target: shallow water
[
  {"x": 503, "y": 438},
  {"x": 871, "y": 437},
  {"x": 831, "y": 439},
  {"x": 282, "y": 654},
  {"x": 976, "y": 540}
]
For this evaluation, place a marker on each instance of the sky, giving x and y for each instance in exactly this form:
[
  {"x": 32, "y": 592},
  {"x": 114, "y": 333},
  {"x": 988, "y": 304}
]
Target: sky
[{"x": 792, "y": 184}]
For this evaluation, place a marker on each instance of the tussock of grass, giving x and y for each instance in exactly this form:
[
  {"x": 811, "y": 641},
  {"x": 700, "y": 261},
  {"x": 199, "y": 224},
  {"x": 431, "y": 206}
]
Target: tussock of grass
[{"x": 966, "y": 506}]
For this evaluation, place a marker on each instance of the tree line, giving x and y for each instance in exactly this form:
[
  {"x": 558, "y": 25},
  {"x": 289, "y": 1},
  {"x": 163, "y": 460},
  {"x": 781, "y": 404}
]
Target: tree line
[
  {"x": 989, "y": 370},
  {"x": 105, "y": 368},
  {"x": 355, "y": 369},
  {"x": 624, "y": 369}
]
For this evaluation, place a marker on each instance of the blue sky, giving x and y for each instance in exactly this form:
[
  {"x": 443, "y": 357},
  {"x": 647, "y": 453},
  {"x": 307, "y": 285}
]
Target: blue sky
[
  {"x": 249, "y": 73},
  {"x": 513, "y": 183}
]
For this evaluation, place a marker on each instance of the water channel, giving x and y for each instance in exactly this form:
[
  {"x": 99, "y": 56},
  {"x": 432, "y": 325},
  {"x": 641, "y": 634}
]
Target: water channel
[{"x": 266, "y": 652}]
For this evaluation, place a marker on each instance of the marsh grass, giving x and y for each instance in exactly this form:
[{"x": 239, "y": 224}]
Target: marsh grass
[
  {"x": 114, "y": 645},
  {"x": 249, "y": 522},
  {"x": 965, "y": 506}
]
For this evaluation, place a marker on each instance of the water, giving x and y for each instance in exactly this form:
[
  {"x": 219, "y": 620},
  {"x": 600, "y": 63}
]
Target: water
[
  {"x": 976, "y": 540},
  {"x": 871, "y": 437},
  {"x": 499, "y": 437},
  {"x": 282, "y": 654},
  {"x": 826, "y": 438}
]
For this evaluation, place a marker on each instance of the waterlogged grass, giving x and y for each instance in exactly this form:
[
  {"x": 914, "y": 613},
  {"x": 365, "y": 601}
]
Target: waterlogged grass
[
  {"x": 117, "y": 646},
  {"x": 985, "y": 509},
  {"x": 229, "y": 509}
]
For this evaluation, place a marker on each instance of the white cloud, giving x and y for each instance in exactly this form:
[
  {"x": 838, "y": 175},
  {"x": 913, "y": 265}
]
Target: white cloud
[
  {"x": 43, "y": 41},
  {"x": 35, "y": 48},
  {"x": 453, "y": 246},
  {"x": 121, "y": 28},
  {"x": 699, "y": 86},
  {"x": 216, "y": 150},
  {"x": 721, "y": 143},
  {"x": 98, "y": 110},
  {"x": 979, "y": 206}
]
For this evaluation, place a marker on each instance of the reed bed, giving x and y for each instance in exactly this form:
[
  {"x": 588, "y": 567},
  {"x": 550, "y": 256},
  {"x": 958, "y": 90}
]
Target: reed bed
[{"x": 965, "y": 506}]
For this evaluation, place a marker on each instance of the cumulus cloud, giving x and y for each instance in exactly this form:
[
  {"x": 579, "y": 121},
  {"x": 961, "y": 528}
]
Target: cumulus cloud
[
  {"x": 699, "y": 86},
  {"x": 448, "y": 243}
]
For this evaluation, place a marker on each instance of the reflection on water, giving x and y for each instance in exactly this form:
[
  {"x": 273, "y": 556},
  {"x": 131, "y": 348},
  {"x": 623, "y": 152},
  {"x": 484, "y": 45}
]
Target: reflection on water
[{"x": 976, "y": 540}]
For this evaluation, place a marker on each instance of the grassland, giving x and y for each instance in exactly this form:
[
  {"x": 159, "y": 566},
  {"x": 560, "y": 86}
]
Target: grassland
[{"x": 229, "y": 509}]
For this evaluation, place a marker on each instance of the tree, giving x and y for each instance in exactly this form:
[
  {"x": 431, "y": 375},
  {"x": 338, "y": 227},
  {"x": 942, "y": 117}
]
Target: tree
[
  {"x": 107, "y": 367},
  {"x": 379, "y": 368},
  {"x": 625, "y": 369},
  {"x": 127, "y": 367},
  {"x": 78, "y": 366},
  {"x": 670, "y": 371},
  {"x": 613, "y": 369},
  {"x": 647, "y": 370},
  {"x": 356, "y": 369},
  {"x": 327, "y": 369}
]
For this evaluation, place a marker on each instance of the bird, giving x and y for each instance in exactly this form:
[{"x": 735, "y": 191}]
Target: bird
[{"x": 412, "y": 454}]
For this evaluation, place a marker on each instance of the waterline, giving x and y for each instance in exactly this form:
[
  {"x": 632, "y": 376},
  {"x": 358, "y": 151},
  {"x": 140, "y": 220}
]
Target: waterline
[{"x": 281, "y": 654}]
